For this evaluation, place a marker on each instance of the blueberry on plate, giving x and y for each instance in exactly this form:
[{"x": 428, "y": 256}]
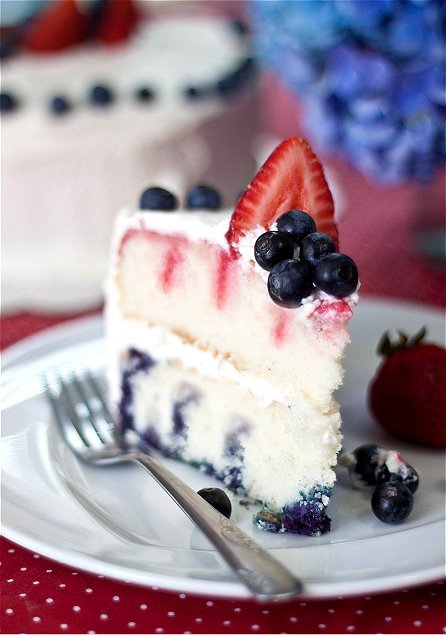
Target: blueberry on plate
[
  {"x": 203, "y": 197},
  {"x": 363, "y": 463},
  {"x": 60, "y": 105},
  {"x": 289, "y": 282},
  {"x": 398, "y": 471},
  {"x": 195, "y": 92},
  {"x": 271, "y": 248},
  {"x": 316, "y": 246},
  {"x": 7, "y": 102},
  {"x": 336, "y": 275},
  {"x": 157, "y": 198},
  {"x": 101, "y": 95},
  {"x": 392, "y": 502},
  {"x": 296, "y": 224},
  {"x": 218, "y": 499}
]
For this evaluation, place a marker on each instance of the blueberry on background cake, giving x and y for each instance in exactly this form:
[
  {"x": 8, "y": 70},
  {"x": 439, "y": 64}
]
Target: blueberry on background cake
[{"x": 211, "y": 370}]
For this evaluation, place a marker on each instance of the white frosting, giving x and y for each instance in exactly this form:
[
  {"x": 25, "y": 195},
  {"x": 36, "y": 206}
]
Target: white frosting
[{"x": 76, "y": 170}]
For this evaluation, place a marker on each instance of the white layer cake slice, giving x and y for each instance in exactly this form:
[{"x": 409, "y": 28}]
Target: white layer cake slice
[{"x": 223, "y": 351}]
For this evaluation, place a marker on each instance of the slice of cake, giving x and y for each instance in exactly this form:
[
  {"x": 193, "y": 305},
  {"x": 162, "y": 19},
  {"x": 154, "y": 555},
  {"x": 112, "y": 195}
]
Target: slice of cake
[{"x": 224, "y": 352}]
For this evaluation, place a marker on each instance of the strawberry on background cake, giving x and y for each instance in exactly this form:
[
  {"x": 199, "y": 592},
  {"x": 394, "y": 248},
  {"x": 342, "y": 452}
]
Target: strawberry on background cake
[
  {"x": 97, "y": 98},
  {"x": 226, "y": 333}
]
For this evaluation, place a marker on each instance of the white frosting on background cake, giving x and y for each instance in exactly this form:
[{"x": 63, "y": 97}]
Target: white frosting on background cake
[{"x": 63, "y": 177}]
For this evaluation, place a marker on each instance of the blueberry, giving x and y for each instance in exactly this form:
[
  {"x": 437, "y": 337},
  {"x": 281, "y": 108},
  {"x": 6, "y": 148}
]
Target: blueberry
[
  {"x": 392, "y": 502},
  {"x": 145, "y": 94},
  {"x": 157, "y": 198},
  {"x": 7, "y": 102},
  {"x": 363, "y": 463},
  {"x": 297, "y": 224},
  {"x": 203, "y": 197},
  {"x": 101, "y": 95},
  {"x": 218, "y": 499},
  {"x": 337, "y": 275},
  {"x": 60, "y": 105},
  {"x": 404, "y": 473},
  {"x": 289, "y": 282},
  {"x": 271, "y": 248},
  {"x": 194, "y": 92},
  {"x": 316, "y": 246}
]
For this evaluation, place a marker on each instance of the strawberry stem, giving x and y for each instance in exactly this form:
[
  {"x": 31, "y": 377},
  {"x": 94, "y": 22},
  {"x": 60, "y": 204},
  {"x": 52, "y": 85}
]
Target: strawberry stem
[{"x": 386, "y": 347}]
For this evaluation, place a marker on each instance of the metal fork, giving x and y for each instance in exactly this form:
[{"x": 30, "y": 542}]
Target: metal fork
[{"x": 87, "y": 426}]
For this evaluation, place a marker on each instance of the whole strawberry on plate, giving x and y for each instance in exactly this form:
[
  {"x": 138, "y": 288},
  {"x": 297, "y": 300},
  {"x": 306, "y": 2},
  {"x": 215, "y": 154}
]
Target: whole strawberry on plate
[{"x": 407, "y": 395}]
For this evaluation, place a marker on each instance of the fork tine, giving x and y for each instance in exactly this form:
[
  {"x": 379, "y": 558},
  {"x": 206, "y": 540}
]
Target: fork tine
[
  {"x": 69, "y": 430},
  {"x": 98, "y": 393},
  {"x": 98, "y": 418}
]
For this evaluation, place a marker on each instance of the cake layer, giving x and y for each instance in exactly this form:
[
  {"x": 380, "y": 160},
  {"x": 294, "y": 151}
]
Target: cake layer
[
  {"x": 204, "y": 295},
  {"x": 216, "y": 425}
]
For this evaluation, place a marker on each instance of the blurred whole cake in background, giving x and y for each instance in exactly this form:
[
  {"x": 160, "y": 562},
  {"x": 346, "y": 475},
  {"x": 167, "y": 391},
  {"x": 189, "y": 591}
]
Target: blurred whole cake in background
[
  {"x": 98, "y": 98},
  {"x": 369, "y": 75}
]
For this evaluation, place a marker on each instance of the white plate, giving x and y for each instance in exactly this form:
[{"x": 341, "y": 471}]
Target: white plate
[{"x": 116, "y": 521}]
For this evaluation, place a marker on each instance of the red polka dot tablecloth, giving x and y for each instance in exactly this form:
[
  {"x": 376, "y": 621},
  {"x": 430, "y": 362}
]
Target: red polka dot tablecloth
[{"x": 41, "y": 596}]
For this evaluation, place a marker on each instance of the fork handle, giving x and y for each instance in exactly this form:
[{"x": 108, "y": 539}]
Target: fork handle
[{"x": 265, "y": 576}]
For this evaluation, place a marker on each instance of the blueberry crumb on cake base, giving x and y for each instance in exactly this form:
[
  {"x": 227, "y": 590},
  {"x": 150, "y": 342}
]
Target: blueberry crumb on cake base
[{"x": 226, "y": 337}]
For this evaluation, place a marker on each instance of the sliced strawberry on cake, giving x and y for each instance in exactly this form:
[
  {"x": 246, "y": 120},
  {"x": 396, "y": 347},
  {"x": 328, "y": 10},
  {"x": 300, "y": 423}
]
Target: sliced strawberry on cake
[
  {"x": 226, "y": 335},
  {"x": 60, "y": 24}
]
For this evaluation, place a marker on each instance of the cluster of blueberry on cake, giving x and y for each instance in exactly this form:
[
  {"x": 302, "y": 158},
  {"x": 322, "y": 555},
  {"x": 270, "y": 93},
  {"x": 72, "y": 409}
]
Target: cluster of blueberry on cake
[{"x": 210, "y": 370}]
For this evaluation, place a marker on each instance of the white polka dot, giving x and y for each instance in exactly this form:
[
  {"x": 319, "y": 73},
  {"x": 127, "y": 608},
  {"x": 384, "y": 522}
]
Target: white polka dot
[
  {"x": 182, "y": 596},
  {"x": 425, "y": 606},
  {"x": 322, "y": 626},
  {"x": 444, "y": 629},
  {"x": 36, "y": 582},
  {"x": 171, "y": 613},
  {"x": 237, "y": 610},
  {"x": 331, "y": 610},
  {"x": 293, "y": 619},
  {"x": 159, "y": 630},
  {"x": 10, "y": 580},
  {"x": 9, "y": 612},
  {"x": 350, "y": 628},
  {"x": 99, "y": 576},
  {"x": 155, "y": 588},
  {"x": 49, "y": 600},
  {"x": 397, "y": 602},
  {"x": 74, "y": 573},
  {"x": 11, "y": 550},
  {"x": 340, "y": 597},
  {"x": 103, "y": 616},
  {"x": 255, "y": 627},
  {"x": 265, "y": 612},
  {"x": 143, "y": 607},
  {"x": 303, "y": 604},
  {"x": 433, "y": 593},
  {"x": 49, "y": 571},
  {"x": 65, "y": 626},
  {"x": 62, "y": 586},
  {"x": 367, "y": 597},
  {"x": 36, "y": 619},
  {"x": 209, "y": 603},
  {"x": 36, "y": 555},
  {"x": 116, "y": 598},
  {"x": 22, "y": 595},
  {"x": 198, "y": 620},
  {"x": 88, "y": 590},
  {"x": 187, "y": 632},
  {"x": 91, "y": 632},
  {"x": 23, "y": 569},
  {"x": 227, "y": 623},
  {"x": 76, "y": 609},
  {"x": 359, "y": 612},
  {"x": 388, "y": 619},
  {"x": 131, "y": 624},
  {"x": 417, "y": 623}
]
